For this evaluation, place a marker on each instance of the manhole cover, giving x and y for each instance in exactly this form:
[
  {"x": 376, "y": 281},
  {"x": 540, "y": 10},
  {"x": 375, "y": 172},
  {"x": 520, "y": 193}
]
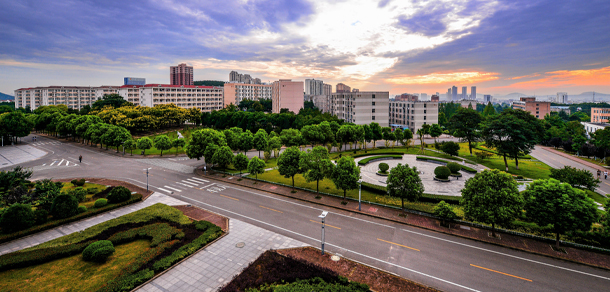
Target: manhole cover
[
  {"x": 240, "y": 245},
  {"x": 335, "y": 258}
]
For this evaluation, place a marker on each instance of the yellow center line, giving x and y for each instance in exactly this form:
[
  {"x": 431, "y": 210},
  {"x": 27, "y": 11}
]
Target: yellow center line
[
  {"x": 325, "y": 224},
  {"x": 271, "y": 209},
  {"x": 397, "y": 244},
  {"x": 501, "y": 273},
  {"x": 229, "y": 197}
]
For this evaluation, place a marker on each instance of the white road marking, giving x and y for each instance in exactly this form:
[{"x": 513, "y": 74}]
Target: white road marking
[
  {"x": 189, "y": 183},
  {"x": 330, "y": 244},
  {"x": 194, "y": 181},
  {"x": 173, "y": 188},
  {"x": 44, "y": 164},
  {"x": 203, "y": 180},
  {"x": 62, "y": 161},
  {"x": 164, "y": 190},
  {"x": 207, "y": 186},
  {"x": 184, "y": 185},
  {"x": 53, "y": 163},
  {"x": 67, "y": 163}
]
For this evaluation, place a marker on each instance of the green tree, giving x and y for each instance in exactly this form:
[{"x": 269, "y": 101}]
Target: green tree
[
  {"x": 489, "y": 110},
  {"x": 444, "y": 211},
  {"x": 575, "y": 177},
  {"x": 404, "y": 183},
  {"x": 465, "y": 125},
  {"x": 223, "y": 157},
  {"x": 550, "y": 202},
  {"x": 407, "y": 135},
  {"x": 45, "y": 192},
  {"x": 15, "y": 124},
  {"x": 240, "y": 162},
  {"x": 288, "y": 163},
  {"x": 491, "y": 197},
  {"x": 144, "y": 143},
  {"x": 201, "y": 139},
  {"x": 377, "y": 133},
  {"x": 178, "y": 143},
  {"x": 316, "y": 165},
  {"x": 435, "y": 131},
  {"x": 208, "y": 155},
  {"x": 275, "y": 144},
  {"x": 291, "y": 137},
  {"x": 421, "y": 133},
  {"x": 162, "y": 142},
  {"x": 232, "y": 138},
  {"x": 261, "y": 141},
  {"x": 386, "y": 133},
  {"x": 246, "y": 141},
  {"x": 346, "y": 174},
  {"x": 256, "y": 166},
  {"x": 450, "y": 148}
]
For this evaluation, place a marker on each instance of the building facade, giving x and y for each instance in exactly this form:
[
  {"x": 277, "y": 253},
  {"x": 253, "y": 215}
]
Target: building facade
[
  {"x": 591, "y": 128},
  {"x": 454, "y": 95},
  {"x": 287, "y": 94},
  {"x": 412, "y": 114},
  {"x": 134, "y": 81},
  {"x": 314, "y": 87},
  {"x": 327, "y": 89},
  {"x": 234, "y": 76},
  {"x": 473, "y": 92},
  {"x": 205, "y": 98},
  {"x": 360, "y": 108},
  {"x": 467, "y": 103},
  {"x": 486, "y": 98},
  {"x": 234, "y": 93},
  {"x": 435, "y": 98},
  {"x": 598, "y": 114},
  {"x": 131, "y": 93},
  {"x": 539, "y": 109},
  {"x": 341, "y": 88},
  {"x": 557, "y": 109},
  {"x": 562, "y": 97},
  {"x": 74, "y": 97},
  {"x": 181, "y": 75},
  {"x": 464, "y": 92}
]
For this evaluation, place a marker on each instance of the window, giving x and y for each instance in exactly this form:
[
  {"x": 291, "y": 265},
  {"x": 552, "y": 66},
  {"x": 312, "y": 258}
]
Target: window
[
  {"x": 373, "y": 110},
  {"x": 373, "y": 118},
  {"x": 373, "y": 96},
  {"x": 373, "y": 103},
  {"x": 424, "y": 105},
  {"x": 424, "y": 119},
  {"x": 424, "y": 111}
]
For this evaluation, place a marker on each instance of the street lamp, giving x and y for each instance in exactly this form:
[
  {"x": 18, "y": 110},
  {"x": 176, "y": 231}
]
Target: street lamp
[
  {"x": 147, "y": 177},
  {"x": 359, "y": 192},
  {"x": 123, "y": 147},
  {"x": 324, "y": 213}
]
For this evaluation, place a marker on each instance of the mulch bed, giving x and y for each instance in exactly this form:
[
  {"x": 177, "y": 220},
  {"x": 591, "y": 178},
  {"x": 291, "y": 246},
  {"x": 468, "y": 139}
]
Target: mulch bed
[
  {"x": 507, "y": 240},
  {"x": 200, "y": 214},
  {"x": 114, "y": 183},
  {"x": 376, "y": 279}
]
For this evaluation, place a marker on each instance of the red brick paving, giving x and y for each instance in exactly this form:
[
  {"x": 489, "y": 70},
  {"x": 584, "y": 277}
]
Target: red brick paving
[{"x": 200, "y": 214}]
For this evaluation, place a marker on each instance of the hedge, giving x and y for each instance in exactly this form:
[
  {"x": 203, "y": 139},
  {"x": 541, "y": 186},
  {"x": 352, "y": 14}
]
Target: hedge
[
  {"x": 430, "y": 198},
  {"x": 464, "y": 168},
  {"x": 378, "y": 153},
  {"x": 23, "y": 259},
  {"x": 55, "y": 223},
  {"x": 366, "y": 160},
  {"x": 208, "y": 236},
  {"x": 157, "y": 233}
]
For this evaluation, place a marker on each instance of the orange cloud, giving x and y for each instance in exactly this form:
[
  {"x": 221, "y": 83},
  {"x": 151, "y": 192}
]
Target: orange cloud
[
  {"x": 445, "y": 78},
  {"x": 566, "y": 78}
]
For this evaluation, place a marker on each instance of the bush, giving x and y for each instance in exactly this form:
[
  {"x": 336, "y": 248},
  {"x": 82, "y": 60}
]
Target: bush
[
  {"x": 203, "y": 225},
  {"x": 442, "y": 172},
  {"x": 444, "y": 211},
  {"x": 41, "y": 216},
  {"x": 376, "y": 153},
  {"x": 454, "y": 167},
  {"x": 383, "y": 167},
  {"x": 92, "y": 191},
  {"x": 366, "y": 160},
  {"x": 100, "y": 203},
  {"x": 78, "y": 182},
  {"x": 98, "y": 251},
  {"x": 17, "y": 217},
  {"x": 81, "y": 209},
  {"x": 64, "y": 206},
  {"x": 79, "y": 193},
  {"x": 119, "y": 194},
  {"x": 450, "y": 148}
]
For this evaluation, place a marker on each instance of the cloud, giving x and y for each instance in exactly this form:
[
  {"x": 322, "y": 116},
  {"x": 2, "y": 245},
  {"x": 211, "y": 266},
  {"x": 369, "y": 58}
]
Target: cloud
[
  {"x": 445, "y": 78},
  {"x": 565, "y": 79}
]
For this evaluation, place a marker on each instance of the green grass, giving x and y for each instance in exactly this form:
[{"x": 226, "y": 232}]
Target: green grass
[
  {"x": 156, "y": 211},
  {"x": 272, "y": 162},
  {"x": 596, "y": 197},
  {"x": 366, "y": 160},
  {"x": 69, "y": 186},
  {"x": 66, "y": 273}
]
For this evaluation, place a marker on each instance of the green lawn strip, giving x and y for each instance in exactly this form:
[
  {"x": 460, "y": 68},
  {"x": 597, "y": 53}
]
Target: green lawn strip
[
  {"x": 69, "y": 186},
  {"x": 596, "y": 197},
  {"x": 366, "y": 160},
  {"x": 271, "y": 163},
  {"x": 54, "y": 223},
  {"x": 482, "y": 148}
]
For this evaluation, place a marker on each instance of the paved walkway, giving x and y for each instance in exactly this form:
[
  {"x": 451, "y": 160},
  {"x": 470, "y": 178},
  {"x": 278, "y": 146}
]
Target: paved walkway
[
  {"x": 217, "y": 264},
  {"x": 60, "y": 231},
  {"x": 12, "y": 155}
]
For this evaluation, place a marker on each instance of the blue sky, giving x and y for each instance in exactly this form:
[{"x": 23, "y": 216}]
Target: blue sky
[{"x": 534, "y": 46}]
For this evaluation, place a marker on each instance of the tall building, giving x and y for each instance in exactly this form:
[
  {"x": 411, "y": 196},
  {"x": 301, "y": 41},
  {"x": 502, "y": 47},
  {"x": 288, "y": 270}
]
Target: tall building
[
  {"x": 341, "y": 88},
  {"x": 287, "y": 94},
  {"x": 234, "y": 76},
  {"x": 435, "y": 97},
  {"x": 473, "y": 92},
  {"x": 539, "y": 109},
  {"x": 454, "y": 96},
  {"x": 328, "y": 89},
  {"x": 448, "y": 95},
  {"x": 234, "y": 93},
  {"x": 314, "y": 87},
  {"x": 487, "y": 98},
  {"x": 423, "y": 96},
  {"x": 181, "y": 75},
  {"x": 464, "y": 92},
  {"x": 412, "y": 114},
  {"x": 360, "y": 108},
  {"x": 134, "y": 81},
  {"x": 562, "y": 97}
]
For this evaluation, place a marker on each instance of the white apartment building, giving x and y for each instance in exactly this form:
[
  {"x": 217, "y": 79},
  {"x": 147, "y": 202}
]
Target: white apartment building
[
  {"x": 75, "y": 97},
  {"x": 360, "y": 108},
  {"x": 412, "y": 114},
  {"x": 131, "y": 93},
  {"x": 314, "y": 87},
  {"x": 205, "y": 98},
  {"x": 236, "y": 92}
]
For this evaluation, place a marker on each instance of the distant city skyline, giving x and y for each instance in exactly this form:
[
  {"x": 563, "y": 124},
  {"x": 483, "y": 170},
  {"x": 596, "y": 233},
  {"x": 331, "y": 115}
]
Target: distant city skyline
[{"x": 397, "y": 46}]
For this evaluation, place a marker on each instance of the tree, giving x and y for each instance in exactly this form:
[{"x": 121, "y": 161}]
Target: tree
[
  {"x": 144, "y": 143},
  {"x": 162, "y": 142},
  {"x": 450, "y": 148},
  {"x": 208, "y": 155},
  {"x": 246, "y": 141},
  {"x": 201, "y": 139},
  {"x": 291, "y": 137},
  {"x": 386, "y": 133},
  {"x": 404, "y": 183},
  {"x": 407, "y": 135},
  {"x": 377, "y": 134},
  {"x": 130, "y": 145},
  {"x": 232, "y": 138},
  {"x": 261, "y": 141},
  {"x": 421, "y": 133},
  {"x": 316, "y": 165},
  {"x": 223, "y": 157},
  {"x": 491, "y": 197},
  {"x": 465, "y": 125},
  {"x": 17, "y": 217},
  {"x": 114, "y": 100},
  {"x": 45, "y": 192},
  {"x": 15, "y": 124},
  {"x": 275, "y": 144},
  {"x": 550, "y": 202},
  {"x": 435, "y": 131},
  {"x": 444, "y": 211},
  {"x": 240, "y": 162},
  {"x": 575, "y": 177},
  {"x": 256, "y": 166},
  {"x": 489, "y": 110},
  {"x": 288, "y": 163},
  {"x": 346, "y": 174},
  {"x": 178, "y": 143}
]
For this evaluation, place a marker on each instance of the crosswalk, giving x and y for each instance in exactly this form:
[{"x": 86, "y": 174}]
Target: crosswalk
[
  {"x": 191, "y": 183},
  {"x": 179, "y": 159},
  {"x": 46, "y": 143},
  {"x": 57, "y": 163}
]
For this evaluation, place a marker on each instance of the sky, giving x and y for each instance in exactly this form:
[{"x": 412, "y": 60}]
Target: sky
[{"x": 528, "y": 46}]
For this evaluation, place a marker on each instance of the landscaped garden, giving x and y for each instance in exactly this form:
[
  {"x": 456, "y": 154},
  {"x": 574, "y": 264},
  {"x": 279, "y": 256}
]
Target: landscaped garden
[{"x": 116, "y": 255}]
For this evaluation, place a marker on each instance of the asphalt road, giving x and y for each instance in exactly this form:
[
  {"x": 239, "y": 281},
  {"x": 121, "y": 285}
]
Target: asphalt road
[{"x": 445, "y": 262}]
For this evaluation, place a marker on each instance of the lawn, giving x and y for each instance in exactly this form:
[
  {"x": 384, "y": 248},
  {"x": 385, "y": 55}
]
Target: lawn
[
  {"x": 59, "y": 274},
  {"x": 596, "y": 197},
  {"x": 271, "y": 163}
]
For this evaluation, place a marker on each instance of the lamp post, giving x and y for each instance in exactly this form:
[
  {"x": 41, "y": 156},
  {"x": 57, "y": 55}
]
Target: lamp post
[
  {"x": 123, "y": 147},
  {"x": 147, "y": 178},
  {"x": 324, "y": 213},
  {"x": 359, "y": 193}
]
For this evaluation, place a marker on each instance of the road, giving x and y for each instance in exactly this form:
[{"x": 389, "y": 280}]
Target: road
[{"x": 442, "y": 261}]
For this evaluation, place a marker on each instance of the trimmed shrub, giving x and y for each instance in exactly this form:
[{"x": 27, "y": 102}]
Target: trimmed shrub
[
  {"x": 383, "y": 167},
  {"x": 454, "y": 167},
  {"x": 81, "y": 209},
  {"x": 78, "y": 182},
  {"x": 17, "y": 217},
  {"x": 377, "y": 153},
  {"x": 98, "y": 251},
  {"x": 79, "y": 193},
  {"x": 442, "y": 172},
  {"x": 100, "y": 203},
  {"x": 119, "y": 194},
  {"x": 366, "y": 160},
  {"x": 41, "y": 216},
  {"x": 64, "y": 206},
  {"x": 208, "y": 236}
]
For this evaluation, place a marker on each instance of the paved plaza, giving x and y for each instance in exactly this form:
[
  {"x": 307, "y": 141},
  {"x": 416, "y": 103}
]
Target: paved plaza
[
  {"x": 452, "y": 188},
  {"x": 12, "y": 155}
]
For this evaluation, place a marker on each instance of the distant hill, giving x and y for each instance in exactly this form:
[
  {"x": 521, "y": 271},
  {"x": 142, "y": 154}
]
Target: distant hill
[
  {"x": 210, "y": 83},
  {"x": 6, "y": 96}
]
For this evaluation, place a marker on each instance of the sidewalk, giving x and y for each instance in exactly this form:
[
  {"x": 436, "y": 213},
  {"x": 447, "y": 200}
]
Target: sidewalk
[
  {"x": 507, "y": 240},
  {"x": 15, "y": 154}
]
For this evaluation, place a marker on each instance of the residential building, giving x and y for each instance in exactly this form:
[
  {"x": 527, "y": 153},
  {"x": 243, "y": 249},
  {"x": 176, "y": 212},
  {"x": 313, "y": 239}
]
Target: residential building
[
  {"x": 181, "y": 75},
  {"x": 131, "y": 93},
  {"x": 486, "y": 98},
  {"x": 327, "y": 89},
  {"x": 342, "y": 88},
  {"x": 360, "y": 108},
  {"x": 234, "y": 93},
  {"x": 448, "y": 97},
  {"x": 591, "y": 128},
  {"x": 322, "y": 102},
  {"x": 412, "y": 114},
  {"x": 435, "y": 98},
  {"x": 598, "y": 114},
  {"x": 355, "y": 90},
  {"x": 423, "y": 96},
  {"x": 75, "y": 97},
  {"x": 134, "y": 81},
  {"x": 464, "y": 92},
  {"x": 314, "y": 87},
  {"x": 467, "y": 103},
  {"x": 105, "y": 90},
  {"x": 406, "y": 97},
  {"x": 562, "y": 97},
  {"x": 539, "y": 109},
  {"x": 473, "y": 92},
  {"x": 234, "y": 76},
  {"x": 565, "y": 109},
  {"x": 205, "y": 98},
  {"x": 454, "y": 95},
  {"x": 287, "y": 94}
]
